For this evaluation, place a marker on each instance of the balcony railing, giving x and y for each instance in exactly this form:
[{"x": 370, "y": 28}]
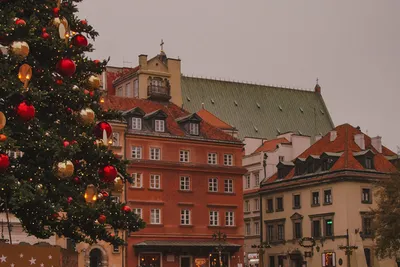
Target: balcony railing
[{"x": 158, "y": 92}]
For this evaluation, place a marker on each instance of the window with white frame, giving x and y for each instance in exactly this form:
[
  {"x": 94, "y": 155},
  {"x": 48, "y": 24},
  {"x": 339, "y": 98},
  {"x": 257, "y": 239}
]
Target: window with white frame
[
  {"x": 247, "y": 181},
  {"x": 128, "y": 90},
  {"x": 194, "y": 128},
  {"x": 184, "y": 155},
  {"x": 185, "y": 183},
  {"x": 213, "y": 185},
  {"x": 115, "y": 139},
  {"x": 155, "y": 181},
  {"x": 212, "y": 158},
  {"x": 159, "y": 126},
  {"x": 115, "y": 249},
  {"x": 228, "y": 159},
  {"x": 229, "y": 218},
  {"x": 248, "y": 230},
  {"x": 228, "y": 186},
  {"x": 155, "y": 153},
  {"x": 138, "y": 212},
  {"x": 155, "y": 216},
  {"x": 247, "y": 205},
  {"x": 136, "y": 123},
  {"x": 136, "y": 152},
  {"x": 257, "y": 228},
  {"x": 256, "y": 179},
  {"x": 257, "y": 204},
  {"x": 185, "y": 217},
  {"x": 136, "y": 88},
  {"x": 137, "y": 180},
  {"x": 214, "y": 218}
]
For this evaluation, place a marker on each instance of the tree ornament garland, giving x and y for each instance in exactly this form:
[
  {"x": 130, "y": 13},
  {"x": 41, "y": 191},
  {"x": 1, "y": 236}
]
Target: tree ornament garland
[
  {"x": 26, "y": 111},
  {"x": 66, "y": 67},
  {"x": 108, "y": 174}
]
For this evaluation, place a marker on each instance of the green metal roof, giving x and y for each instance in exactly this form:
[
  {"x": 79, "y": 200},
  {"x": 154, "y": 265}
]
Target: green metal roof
[{"x": 258, "y": 110}]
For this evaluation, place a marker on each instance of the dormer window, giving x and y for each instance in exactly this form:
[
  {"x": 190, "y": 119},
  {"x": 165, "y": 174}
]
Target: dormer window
[
  {"x": 159, "y": 126},
  {"x": 368, "y": 163},
  {"x": 326, "y": 164},
  {"x": 281, "y": 173},
  {"x": 194, "y": 128},
  {"x": 310, "y": 167},
  {"x": 136, "y": 123}
]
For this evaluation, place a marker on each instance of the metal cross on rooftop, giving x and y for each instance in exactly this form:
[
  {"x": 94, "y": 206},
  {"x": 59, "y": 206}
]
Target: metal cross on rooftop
[{"x": 162, "y": 45}]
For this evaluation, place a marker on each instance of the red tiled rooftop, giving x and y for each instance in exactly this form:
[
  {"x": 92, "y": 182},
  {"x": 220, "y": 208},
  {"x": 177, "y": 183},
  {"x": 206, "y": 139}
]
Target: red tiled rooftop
[
  {"x": 270, "y": 145},
  {"x": 174, "y": 112},
  {"x": 213, "y": 120},
  {"x": 345, "y": 143}
]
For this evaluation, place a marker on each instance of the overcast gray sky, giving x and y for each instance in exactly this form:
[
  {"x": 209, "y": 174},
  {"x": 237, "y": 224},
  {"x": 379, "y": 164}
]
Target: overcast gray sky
[{"x": 352, "y": 46}]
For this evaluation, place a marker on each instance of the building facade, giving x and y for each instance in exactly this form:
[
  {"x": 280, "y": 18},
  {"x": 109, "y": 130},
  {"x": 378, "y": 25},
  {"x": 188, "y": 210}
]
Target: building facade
[
  {"x": 318, "y": 207},
  {"x": 260, "y": 159},
  {"x": 187, "y": 185}
]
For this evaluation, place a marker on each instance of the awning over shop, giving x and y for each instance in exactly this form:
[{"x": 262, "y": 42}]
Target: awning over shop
[{"x": 184, "y": 245}]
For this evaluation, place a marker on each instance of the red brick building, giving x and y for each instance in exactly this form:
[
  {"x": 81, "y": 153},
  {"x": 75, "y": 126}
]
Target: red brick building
[{"x": 187, "y": 185}]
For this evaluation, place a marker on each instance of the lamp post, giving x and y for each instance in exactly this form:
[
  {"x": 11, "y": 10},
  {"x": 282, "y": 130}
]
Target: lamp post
[
  {"x": 348, "y": 249},
  {"x": 220, "y": 237},
  {"x": 261, "y": 250}
]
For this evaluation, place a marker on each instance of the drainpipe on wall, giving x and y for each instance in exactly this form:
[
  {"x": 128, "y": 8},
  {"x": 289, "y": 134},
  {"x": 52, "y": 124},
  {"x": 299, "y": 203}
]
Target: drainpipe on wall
[
  {"x": 125, "y": 248},
  {"x": 261, "y": 257}
]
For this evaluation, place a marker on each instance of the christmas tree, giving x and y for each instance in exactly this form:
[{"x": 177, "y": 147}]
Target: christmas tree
[{"x": 62, "y": 179}]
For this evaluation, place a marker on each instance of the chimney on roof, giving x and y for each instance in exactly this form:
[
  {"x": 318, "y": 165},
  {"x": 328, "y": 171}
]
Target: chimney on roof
[
  {"x": 376, "y": 142},
  {"x": 333, "y": 135},
  {"x": 143, "y": 61},
  {"x": 360, "y": 140},
  {"x": 317, "y": 88}
]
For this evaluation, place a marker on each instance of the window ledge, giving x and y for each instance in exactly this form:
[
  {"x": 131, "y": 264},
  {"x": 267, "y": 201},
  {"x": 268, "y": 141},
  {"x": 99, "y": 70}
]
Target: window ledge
[
  {"x": 186, "y": 225},
  {"x": 116, "y": 146},
  {"x": 269, "y": 211},
  {"x": 247, "y": 212},
  {"x": 327, "y": 204},
  {"x": 155, "y": 189},
  {"x": 315, "y": 205},
  {"x": 185, "y": 191},
  {"x": 222, "y": 226},
  {"x": 366, "y": 202},
  {"x": 297, "y": 208},
  {"x": 221, "y": 193},
  {"x": 116, "y": 252},
  {"x": 136, "y": 188},
  {"x": 154, "y": 225},
  {"x": 256, "y": 211},
  {"x": 279, "y": 210}
]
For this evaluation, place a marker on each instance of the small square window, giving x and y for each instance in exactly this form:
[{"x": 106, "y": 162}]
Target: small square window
[
  {"x": 194, "y": 128},
  {"x": 366, "y": 196},
  {"x": 136, "y": 123},
  {"x": 296, "y": 201},
  {"x": 184, "y": 155},
  {"x": 136, "y": 152},
  {"x": 368, "y": 163},
  {"x": 155, "y": 181},
  {"x": 328, "y": 196},
  {"x": 185, "y": 183},
  {"x": 115, "y": 249},
  {"x": 279, "y": 204},
  {"x": 155, "y": 216},
  {"x": 270, "y": 205},
  {"x": 185, "y": 217},
  {"x": 159, "y": 126},
  {"x": 137, "y": 180},
  {"x": 155, "y": 153},
  {"x": 138, "y": 212},
  {"x": 229, "y": 218},
  {"x": 214, "y": 220},
  {"x": 228, "y": 186},
  {"x": 212, "y": 158},
  {"x": 228, "y": 159},
  {"x": 115, "y": 139},
  {"x": 213, "y": 185},
  {"x": 315, "y": 199}
]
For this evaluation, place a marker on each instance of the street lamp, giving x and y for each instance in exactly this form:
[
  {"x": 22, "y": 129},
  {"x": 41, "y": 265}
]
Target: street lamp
[
  {"x": 220, "y": 237},
  {"x": 260, "y": 250}
]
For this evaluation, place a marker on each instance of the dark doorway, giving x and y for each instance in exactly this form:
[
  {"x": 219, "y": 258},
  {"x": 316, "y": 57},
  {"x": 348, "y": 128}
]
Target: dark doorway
[
  {"x": 95, "y": 258},
  {"x": 297, "y": 263},
  {"x": 367, "y": 253},
  {"x": 185, "y": 261}
]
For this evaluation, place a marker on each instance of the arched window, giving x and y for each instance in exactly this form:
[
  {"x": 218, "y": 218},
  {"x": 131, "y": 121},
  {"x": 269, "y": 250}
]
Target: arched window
[{"x": 96, "y": 258}]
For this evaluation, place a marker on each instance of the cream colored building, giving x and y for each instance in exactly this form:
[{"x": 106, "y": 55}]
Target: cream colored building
[
  {"x": 257, "y": 151},
  {"x": 325, "y": 197}
]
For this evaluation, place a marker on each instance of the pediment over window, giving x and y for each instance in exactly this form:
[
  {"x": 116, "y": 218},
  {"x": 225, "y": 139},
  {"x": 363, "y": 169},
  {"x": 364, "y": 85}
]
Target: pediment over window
[
  {"x": 190, "y": 118},
  {"x": 158, "y": 114},
  {"x": 296, "y": 216},
  {"x": 134, "y": 112}
]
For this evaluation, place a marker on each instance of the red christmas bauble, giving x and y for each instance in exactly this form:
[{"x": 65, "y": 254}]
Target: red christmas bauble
[
  {"x": 105, "y": 194},
  {"x": 45, "y": 35},
  {"x": 96, "y": 61},
  {"x": 102, "y": 218},
  {"x": 77, "y": 180},
  {"x": 69, "y": 200},
  {"x": 4, "y": 162},
  {"x": 26, "y": 112},
  {"x": 108, "y": 174},
  {"x": 80, "y": 40},
  {"x": 100, "y": 128},
  {"x": 56, "y": 12},
  {"x": 20, "y": 22},
  {"x": 66, "y": 143},
  {"x": 66, "y": 67},
  {"x": 126, "y": 209},
  {"x": 84, "y": 22}
]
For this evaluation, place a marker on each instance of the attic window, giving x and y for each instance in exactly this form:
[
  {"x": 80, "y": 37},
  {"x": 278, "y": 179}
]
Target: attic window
[
  {"x": 136, "y": 123},
  {"x": 280, "y": 107},
  {"x": 258, "y": 105},
  {"x": 301, "y": 110},
  {"x": 212, "y": 101},
  {"x": 326, "y": 164},
  {"x": 194, "y": 128},
  {"x": 310, "y": 167},
  {"x": 236, "y": 103},
  {"x": 159, "y": 126},
  {"x": 281, "y": 173},
  {"x": 188, "y": 98},
  {"x": 298, "y": 170},
  {"x": 368, "y": 163}
]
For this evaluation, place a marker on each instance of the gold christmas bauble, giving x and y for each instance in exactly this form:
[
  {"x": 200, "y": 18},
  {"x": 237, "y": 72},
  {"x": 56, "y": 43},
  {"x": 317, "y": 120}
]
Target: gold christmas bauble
[
  {"x": 64, "y": 169},
  {"x": 56, "y": 22},
  {"x": 118, "y": 185},
  {"x": 94, "y": 82},
  {"x": 87, "y": 116},
  {"x": 3, "y": 120},
  {"x": 20, "y": 49}
]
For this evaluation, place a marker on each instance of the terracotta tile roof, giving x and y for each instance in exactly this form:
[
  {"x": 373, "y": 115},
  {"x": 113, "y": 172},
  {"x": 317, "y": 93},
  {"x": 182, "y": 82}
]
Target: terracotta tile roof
[
  {"x": 174, "y": 112},
  {"x": 270, "y": 145},
  {"x": 345, "y": 143},
  {"x": 213, "y": 120}
]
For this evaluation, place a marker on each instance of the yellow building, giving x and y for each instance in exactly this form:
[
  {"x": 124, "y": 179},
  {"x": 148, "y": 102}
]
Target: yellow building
[{"x": 316, "y": 210}]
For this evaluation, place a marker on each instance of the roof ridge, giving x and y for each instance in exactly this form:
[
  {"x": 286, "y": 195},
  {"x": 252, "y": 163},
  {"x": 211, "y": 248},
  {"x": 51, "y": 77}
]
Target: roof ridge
[{"x": 310, "y": 90}]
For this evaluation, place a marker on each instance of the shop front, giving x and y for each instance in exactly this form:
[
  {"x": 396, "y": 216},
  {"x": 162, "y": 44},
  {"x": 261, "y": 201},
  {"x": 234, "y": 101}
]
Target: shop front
[{"x": 168, "y": 253}]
